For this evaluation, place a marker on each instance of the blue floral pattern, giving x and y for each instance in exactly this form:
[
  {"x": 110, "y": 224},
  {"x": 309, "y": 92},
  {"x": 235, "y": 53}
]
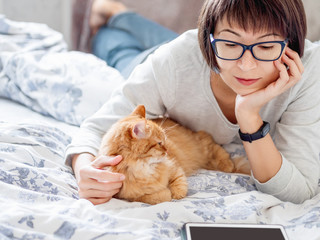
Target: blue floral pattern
[
  {"x": 39, "y": 200},
  {"x": 37, "y": 70}
]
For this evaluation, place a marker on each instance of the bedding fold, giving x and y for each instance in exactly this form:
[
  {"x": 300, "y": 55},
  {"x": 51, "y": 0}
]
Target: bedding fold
[{"x": 38, "y": 71}]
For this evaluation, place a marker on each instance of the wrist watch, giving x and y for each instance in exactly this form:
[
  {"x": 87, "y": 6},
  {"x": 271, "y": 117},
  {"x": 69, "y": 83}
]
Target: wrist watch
[{"x": 262, "y": 132}]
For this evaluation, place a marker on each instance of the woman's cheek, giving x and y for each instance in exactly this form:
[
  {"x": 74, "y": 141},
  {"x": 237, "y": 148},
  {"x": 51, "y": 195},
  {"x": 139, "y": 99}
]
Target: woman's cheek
[{"x": 271, "y": 73}]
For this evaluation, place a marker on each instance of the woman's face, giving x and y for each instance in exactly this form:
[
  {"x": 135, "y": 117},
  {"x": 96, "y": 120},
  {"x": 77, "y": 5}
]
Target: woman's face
[{"x": 247, "y": 74}]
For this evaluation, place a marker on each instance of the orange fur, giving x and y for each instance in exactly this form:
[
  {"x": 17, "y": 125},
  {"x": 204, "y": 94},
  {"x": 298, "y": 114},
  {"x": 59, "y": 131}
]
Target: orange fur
[{"x": 158, "y": 155}]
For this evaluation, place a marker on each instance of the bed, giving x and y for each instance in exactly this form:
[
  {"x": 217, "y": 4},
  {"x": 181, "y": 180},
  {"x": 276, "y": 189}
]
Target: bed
[{"x": 46, "y": 92}]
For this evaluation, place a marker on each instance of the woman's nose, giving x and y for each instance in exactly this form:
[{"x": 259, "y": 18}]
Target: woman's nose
[{"x": 247, "y": 62}]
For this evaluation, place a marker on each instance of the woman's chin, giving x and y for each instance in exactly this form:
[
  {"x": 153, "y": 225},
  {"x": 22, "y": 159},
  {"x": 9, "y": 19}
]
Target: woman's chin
[{"x": 244, "y": 92}]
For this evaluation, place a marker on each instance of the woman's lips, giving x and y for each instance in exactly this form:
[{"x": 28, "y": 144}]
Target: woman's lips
[{"x": 247, "y": 81}]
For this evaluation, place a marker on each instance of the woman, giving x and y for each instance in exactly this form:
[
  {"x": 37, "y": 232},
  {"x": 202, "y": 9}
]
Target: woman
[{"x": 239, "y": 77}]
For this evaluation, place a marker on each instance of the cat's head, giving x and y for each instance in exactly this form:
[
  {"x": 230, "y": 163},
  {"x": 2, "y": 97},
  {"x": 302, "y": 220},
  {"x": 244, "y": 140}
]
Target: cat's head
[{"x": 136, "y": 136}]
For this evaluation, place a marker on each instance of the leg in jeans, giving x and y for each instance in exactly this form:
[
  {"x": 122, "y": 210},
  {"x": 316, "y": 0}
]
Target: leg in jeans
[
  {"x": 128, "y": 39},
  {"x": 147, "y": 32}
]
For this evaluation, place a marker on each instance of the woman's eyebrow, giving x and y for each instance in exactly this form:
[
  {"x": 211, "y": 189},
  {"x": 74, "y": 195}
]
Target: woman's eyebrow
[
  {"x": 269, "y": 34},
  {"x": 239, "y": 35},
  {"x": 230, "y": 31}
]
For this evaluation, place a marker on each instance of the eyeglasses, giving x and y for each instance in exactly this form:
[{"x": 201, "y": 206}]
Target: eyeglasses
[{"x": 262, "y": 51}]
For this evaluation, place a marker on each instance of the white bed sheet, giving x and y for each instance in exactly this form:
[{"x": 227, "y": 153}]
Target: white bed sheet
[
  {"x": 38, "y": 197},
  {"x": 14, "y": 112}
]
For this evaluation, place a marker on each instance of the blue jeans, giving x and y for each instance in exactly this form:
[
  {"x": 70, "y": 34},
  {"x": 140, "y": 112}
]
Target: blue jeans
[{"x": 127, "y": 39}]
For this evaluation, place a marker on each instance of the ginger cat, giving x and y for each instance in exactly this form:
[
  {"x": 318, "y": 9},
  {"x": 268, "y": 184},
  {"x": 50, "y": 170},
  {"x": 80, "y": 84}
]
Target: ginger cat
[{"x": 158, "y": 155}]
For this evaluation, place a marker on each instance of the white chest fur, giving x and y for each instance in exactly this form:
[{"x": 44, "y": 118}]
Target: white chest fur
[{"x": 149, "y": 166}]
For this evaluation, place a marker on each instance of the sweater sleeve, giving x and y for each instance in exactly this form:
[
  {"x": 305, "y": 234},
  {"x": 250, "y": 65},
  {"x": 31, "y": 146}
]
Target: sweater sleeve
[
  {"x": 297, "y": 137},
  {"x": 149, "y": 84}
]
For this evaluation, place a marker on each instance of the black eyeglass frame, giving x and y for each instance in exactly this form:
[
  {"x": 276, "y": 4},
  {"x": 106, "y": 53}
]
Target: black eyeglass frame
[{"x": 246, "y": 47}]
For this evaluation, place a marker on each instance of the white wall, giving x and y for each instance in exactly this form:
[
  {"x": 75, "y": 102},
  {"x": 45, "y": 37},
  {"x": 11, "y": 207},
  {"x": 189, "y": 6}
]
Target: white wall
[
  {"x": 54, "y": 13},
  {"x": 312, "y": 8}
]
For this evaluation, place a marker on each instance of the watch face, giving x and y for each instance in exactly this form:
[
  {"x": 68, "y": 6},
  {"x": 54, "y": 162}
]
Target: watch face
[{"x": 266, "y": 129}]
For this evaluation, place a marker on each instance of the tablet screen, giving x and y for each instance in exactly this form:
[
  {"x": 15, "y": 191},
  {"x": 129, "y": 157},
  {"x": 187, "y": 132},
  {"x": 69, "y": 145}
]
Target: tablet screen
[{"x": 229, "y": 232}]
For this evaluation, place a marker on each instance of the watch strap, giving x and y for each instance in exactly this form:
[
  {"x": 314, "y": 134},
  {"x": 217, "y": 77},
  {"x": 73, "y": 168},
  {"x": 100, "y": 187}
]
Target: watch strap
[{"x": 262, "y": 132}]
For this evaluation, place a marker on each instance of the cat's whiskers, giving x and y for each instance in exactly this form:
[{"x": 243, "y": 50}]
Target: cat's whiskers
[
  {"x": 162, "y": 121},
  {"x": 170, "y": 128}
]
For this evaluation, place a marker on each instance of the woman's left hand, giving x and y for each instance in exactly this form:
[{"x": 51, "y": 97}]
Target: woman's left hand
[{"x": 288, "y": 77}]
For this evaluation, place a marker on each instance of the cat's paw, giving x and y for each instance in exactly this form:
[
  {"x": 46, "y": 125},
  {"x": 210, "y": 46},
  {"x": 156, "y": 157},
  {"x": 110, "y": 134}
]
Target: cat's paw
[
  {"x": 181, "y": 193},
  {"x": 179, "y": 189},
  {"x": 242, "y": 165},
  {"x": 226, "y": 165},
  {"x": 155, "y": 198}
]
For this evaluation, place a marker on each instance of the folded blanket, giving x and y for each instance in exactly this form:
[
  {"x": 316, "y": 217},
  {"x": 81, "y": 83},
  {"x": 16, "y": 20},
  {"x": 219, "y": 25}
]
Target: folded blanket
[{"x": 37, "y": 70}]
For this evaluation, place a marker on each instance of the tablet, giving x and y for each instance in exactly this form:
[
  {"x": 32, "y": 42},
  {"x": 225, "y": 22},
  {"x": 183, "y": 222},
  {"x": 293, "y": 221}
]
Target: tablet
[{"x": 217, "y": 231}]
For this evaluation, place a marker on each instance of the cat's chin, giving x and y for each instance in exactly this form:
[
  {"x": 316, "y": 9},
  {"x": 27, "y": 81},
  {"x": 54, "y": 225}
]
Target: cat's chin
[{"x": 155, "y": 160}]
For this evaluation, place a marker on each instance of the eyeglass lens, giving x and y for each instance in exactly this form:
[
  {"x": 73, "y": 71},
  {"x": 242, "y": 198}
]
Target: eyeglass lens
[{"x": 263, "y": 51}]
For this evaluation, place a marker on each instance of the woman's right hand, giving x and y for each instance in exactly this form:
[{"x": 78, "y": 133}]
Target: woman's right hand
[{"x": 94, "y": 183}]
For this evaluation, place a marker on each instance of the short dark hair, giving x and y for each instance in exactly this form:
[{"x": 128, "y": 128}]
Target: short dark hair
[{"x": 286, "y": 17}]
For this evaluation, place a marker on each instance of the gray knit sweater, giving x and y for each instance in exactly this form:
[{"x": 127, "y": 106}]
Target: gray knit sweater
[{"x": 175, "y": 81}]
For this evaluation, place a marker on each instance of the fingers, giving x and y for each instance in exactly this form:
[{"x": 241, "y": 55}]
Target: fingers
[
  {"x": 99, "y": 185},
  {"x": 294, "y": 63},
  {"x": 283, "y": 73},
  {"x": 284, "y": 81},
  {"x": 91, "y": 185},
  {"x": 96, "y": 172},
  {"x": 290, "y": 70},
  {"x": 97, "y": 191},
  {"x": 102, "y": 175},
  {"x": 105, "y": 161},
  {"x": 93, "y": 193},
  {"x": 295, "y": 56},
  {"x": 97, "y": 201},
  {"x": 293, "y": 70}
]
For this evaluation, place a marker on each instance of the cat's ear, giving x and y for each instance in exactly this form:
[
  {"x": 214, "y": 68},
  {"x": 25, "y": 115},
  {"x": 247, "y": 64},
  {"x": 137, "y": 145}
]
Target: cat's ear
[
  {"x": 139, "y": 111},
  {"x": 139, "y": 130}
]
